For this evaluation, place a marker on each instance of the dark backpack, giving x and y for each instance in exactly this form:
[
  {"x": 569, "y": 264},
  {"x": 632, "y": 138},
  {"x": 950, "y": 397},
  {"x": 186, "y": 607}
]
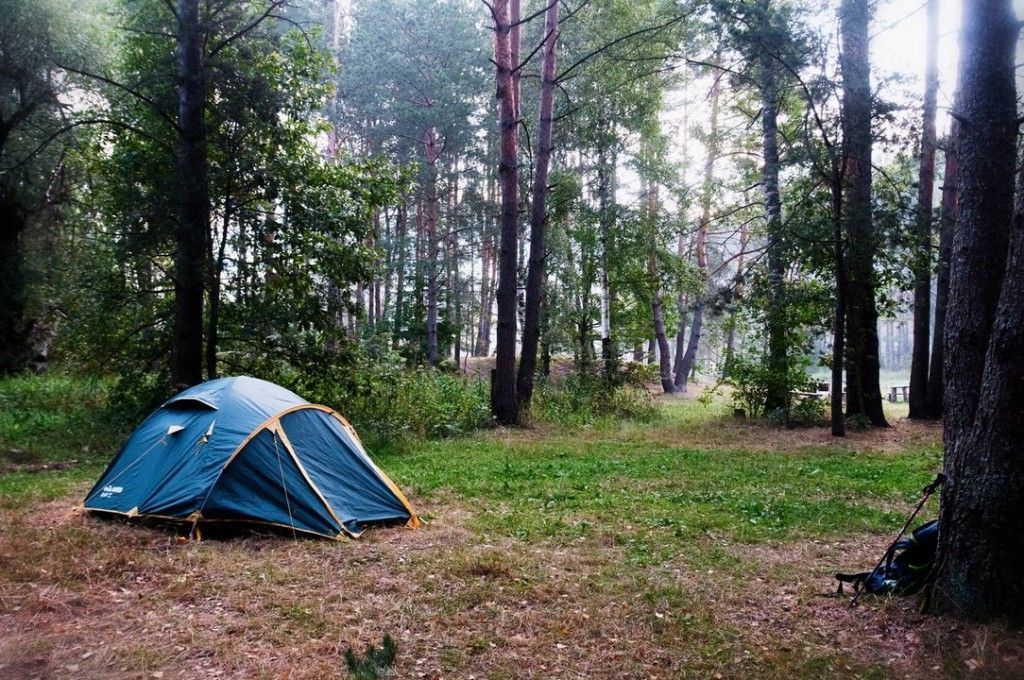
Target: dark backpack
[{"x": 906, "y": 567}]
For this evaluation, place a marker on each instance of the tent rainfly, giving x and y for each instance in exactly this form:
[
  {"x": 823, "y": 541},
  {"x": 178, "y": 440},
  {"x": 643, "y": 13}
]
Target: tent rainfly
[{"x": 246, "y": 450}]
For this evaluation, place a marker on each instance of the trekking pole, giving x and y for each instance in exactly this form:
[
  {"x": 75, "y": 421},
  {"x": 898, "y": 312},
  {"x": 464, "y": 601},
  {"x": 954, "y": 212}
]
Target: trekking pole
[{"x": 927, "y": 492}]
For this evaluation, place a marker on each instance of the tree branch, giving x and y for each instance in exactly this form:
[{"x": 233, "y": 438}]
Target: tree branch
[{"x": 622, "y": 38}]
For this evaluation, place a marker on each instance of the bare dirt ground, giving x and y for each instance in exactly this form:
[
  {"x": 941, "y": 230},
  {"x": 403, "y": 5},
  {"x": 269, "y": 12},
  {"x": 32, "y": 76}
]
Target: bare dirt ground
[{"x": 85, "y": 598}]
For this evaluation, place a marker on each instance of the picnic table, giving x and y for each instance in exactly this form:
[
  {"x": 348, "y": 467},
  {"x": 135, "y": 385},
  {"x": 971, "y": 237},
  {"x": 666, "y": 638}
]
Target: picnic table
[{"x": 896, "y": 391}]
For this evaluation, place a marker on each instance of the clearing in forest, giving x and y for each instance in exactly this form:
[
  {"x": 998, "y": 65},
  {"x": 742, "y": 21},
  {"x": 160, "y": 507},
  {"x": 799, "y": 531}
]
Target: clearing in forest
[{"x": 696, "y": 546}]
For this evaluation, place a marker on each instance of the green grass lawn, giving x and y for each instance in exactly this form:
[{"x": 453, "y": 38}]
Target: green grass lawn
[{"x": 695, "y": 546}]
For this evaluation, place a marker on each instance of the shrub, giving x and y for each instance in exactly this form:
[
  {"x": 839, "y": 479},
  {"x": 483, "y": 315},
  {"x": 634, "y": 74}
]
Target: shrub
[
  {"x": 582, "y": 398},
  {"x": 752, "y": 378},
  {"x": 388, "y": 402},
  {"x": 808, "y": 413}
]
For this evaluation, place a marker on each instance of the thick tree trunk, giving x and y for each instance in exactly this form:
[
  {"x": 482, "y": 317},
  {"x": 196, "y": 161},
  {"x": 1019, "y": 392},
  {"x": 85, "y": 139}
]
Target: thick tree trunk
[
  {"x": 922, "y": 261},
  {"x": 504, "y": 405},
  {"x": 776, "y": 396},
  {"x": 864, "y": 393},
  {"x": 193, "y": 201},
  {"x": 430, "y": 156},
  {"x": 538, "y": 215},
  {"x": 982, "y": 513},
  {"x": 947, "y": 221}
]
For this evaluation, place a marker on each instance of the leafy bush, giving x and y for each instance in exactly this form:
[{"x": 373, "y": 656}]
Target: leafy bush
[
  {"x": 752, "y": 379},
  {"x": 808, "y": 412},
  {"x": 582, "y": 398},
  {"x": 389, "y": 402}
]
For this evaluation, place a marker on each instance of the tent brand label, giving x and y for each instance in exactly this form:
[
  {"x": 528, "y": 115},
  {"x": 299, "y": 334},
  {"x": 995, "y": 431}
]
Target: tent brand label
[{"x": 109, "y": 491}]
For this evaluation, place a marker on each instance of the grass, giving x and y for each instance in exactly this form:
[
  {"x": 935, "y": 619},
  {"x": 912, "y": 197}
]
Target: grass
[{"x": 694, "y": 546}]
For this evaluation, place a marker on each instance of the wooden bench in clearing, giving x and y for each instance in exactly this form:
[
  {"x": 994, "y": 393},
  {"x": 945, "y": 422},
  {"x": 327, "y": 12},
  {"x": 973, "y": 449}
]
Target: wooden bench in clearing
[{"x": 896, "y": 391}]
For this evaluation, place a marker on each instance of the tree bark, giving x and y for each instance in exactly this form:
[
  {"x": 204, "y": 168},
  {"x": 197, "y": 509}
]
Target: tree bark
[
  {"x": 864, "y": 393},
  {"x": 430, "y": 156},
  {"x": 504, "y": 405},
  {"x": 401, "y": 229},
  {"x": 193, "y": 201},
  {"x": 982, "y": 512},
  {"x": 947, "y": 221},
  {"x": 682, "y": 311},
  {"x": 777, "y": 395},
  {"x": 837, "y": 419},
  {"x": 657, "y": 312},
  {"x": 538, "y": 215},
  {"x": 483, "y": 337},
  {"x": 216, "y": 269},
  {"x": 606, "y": 218},
  {"x": 922, "y": 261}
]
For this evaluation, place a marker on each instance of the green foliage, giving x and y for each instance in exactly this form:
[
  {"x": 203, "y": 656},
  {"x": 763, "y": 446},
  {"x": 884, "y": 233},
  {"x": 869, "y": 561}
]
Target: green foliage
[
  {"x": 809, "y": 412},
  {"x": 753, "y": 378},
  {"x": 374, "y": 663},
  {"x": 289, "y": 230},
  {"x": 55, "y": 418},
  {"x": 584, "y": 397},
  {"x": 390, "y": 403}
]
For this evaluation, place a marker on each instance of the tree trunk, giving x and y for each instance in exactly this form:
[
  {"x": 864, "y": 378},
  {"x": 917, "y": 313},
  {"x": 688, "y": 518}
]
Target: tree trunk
[
  {"x": 922, "y": 261},
  {"x": 947, "y": 222},
  {"x": 503, "y": 388},
  {"x": 605, "y": 199},
  {"x": 839, "y": 312},
  {"x": 401, "y": 228},
  {"x": 455, "y": 285},
  {"x": 982, "y": 513},
  {"x": 430, "y": 156},
  {"x": 483, "y": 337},
  {"x": 681, "y": 311},
  {"x": 193, "y": 202},
  {"x": 538, "y": 215},
  {"x": 777, "y": 395},
  {"x": 864, "y": 394},
  {"x": 216, "y": 268}
]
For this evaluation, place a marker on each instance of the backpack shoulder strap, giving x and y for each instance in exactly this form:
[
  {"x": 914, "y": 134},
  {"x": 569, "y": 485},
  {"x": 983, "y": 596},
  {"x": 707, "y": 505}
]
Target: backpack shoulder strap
[{"x": 856, "y": 579}]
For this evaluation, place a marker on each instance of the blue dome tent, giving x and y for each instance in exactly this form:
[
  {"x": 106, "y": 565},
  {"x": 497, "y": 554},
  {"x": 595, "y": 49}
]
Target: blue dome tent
[{"x": 246, "y": 450}]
